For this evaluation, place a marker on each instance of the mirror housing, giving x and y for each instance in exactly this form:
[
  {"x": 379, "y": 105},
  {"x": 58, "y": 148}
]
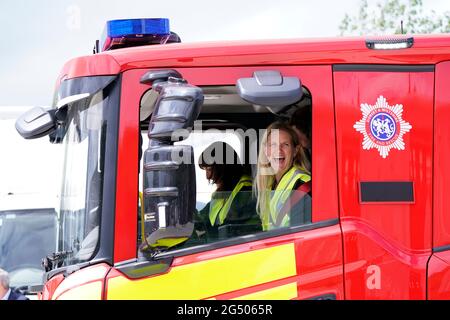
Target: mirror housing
[
  {"x": 270, "y": 89},
  {"x": 39, "y": 122},
  {"x": 177, "y": 107},
  {"x": 169, "y": 170},
  {"x": 36, "y": 123},
  {"x": 155, "y": 76},
  {"x": 152, "y": 78},
  {"x": 169, "y": 201}
]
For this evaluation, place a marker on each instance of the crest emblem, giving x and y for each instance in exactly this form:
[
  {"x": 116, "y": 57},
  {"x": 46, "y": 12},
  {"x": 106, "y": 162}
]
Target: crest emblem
[{"x": 382, "y": 127}]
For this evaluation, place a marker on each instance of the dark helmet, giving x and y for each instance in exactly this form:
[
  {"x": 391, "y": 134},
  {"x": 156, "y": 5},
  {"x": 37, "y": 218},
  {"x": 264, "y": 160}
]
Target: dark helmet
[{"x": 218, "y": 153}]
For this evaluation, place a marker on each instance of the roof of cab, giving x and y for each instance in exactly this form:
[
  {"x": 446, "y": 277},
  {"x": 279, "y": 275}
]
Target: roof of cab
[{"x": 427, "y": 49}]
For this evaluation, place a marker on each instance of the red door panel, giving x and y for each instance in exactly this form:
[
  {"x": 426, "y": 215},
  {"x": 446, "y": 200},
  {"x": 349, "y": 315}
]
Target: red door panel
[
  {"x": 317, "y": 79},
  {"x": 318, "y": 253},
  {"x": 439, "y": 264},
  {"x": 319, "y": 264},
  {"x": 387, "y": 241},
  {"x": 441, "y": 221},
  {"x": 439, "y": 276}
]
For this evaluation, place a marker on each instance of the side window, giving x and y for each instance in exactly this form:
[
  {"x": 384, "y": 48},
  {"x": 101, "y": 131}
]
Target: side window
[
  {"x": 252, "y": 167},
  {"x": 225, "y": 203},
  {"x": 200, "y": 141}
]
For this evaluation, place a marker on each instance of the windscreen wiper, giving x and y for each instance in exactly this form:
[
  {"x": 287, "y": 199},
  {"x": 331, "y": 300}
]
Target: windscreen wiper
[
  {"x": 29, "y": 290},
  {"x": 55, "y": 260}
]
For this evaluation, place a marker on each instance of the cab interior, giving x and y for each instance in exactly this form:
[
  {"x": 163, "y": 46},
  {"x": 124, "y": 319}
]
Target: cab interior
[{"x": 223, "y": 111}]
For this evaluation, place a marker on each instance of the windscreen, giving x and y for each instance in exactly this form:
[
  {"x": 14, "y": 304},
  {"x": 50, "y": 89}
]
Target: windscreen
[{"x": 81, "y": 194}]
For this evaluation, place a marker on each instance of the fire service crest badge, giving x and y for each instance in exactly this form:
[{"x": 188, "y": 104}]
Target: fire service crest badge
[{"x": 382, "y": 127}]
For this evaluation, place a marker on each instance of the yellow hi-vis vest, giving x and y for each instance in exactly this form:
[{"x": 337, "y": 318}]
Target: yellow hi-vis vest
[
  {"x": 280, "y": 195},
  {"x": 220, "y": 207}
]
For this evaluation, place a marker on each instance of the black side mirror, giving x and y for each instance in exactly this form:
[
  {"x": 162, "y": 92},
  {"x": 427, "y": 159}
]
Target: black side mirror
[
  {"x": 169, "y": 170},
  {"x": 169, "y": 195}
]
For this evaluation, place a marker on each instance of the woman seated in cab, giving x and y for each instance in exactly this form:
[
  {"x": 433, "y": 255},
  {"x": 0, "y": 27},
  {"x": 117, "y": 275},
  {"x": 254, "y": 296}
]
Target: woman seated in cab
[
  {"x": 232, "y": 210},
  {"x": 283, "y": 183}
]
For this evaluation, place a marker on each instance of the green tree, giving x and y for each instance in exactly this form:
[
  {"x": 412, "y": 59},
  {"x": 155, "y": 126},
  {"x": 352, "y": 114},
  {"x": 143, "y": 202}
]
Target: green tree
[{"x": 387, "y": 16}]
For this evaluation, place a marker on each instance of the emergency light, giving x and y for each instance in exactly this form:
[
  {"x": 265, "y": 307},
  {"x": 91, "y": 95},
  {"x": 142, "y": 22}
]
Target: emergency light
[{"x": 135, "y": 32}]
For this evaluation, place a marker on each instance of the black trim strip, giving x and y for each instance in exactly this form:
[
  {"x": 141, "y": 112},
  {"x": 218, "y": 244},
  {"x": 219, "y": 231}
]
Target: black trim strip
[
  {"x": 110, "y": 154},
  {"x": 80, "y": 85},
  {"x": 441, "y": 248},
  {"x": 382, "y": 68},
  {"x": 68, "y": 270},
  {"x": 247, "y": 239},
  {"x": 384, "y": 191},
  {"x": 329, "y": 296}
]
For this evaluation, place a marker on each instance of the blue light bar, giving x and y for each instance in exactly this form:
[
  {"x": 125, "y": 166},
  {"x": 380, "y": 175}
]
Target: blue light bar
[
  {"x": 121, "y": 28},
  {"x": 134, "y": 32}
]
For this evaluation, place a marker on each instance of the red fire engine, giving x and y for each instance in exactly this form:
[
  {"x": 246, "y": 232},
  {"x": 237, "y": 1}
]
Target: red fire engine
[{"x": 380, "y": 226}]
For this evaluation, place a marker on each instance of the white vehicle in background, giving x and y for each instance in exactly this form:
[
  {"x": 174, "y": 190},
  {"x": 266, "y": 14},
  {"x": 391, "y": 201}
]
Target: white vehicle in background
[
  {"x": 26, "y": 237},
  {"x": 28, "y": 221}
]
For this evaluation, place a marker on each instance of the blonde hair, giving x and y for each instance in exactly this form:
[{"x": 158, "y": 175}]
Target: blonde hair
[{"x": 265, "y": 176}]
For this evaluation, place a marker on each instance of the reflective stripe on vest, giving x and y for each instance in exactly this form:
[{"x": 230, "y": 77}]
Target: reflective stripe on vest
[
  {"x": 219, "y": 207},
  {"x": 282, "y": 193}
]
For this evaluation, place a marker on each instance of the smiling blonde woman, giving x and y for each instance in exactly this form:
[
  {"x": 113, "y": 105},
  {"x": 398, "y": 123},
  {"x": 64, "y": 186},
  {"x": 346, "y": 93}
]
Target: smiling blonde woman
[{"x": 283, "y": 184}]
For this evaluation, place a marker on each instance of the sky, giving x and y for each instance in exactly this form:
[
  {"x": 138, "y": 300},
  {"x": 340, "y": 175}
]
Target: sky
[{"x": 38, "y": 37}]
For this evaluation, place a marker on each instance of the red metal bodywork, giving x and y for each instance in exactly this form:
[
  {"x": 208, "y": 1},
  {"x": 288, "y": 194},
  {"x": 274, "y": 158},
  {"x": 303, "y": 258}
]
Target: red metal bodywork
[
  {"x": 392, "y": 240},
  {"x": 429, "y": 49},
  {"x": 318, "y": 258},
  {"x": 87, "y": 283},
  {"x": 439, "y": 266},
  {"x": 396, "y": 237},
  {"x": 441, "y": 221},
  {"x": 439, "y": 276},
  {"x": 318, "y": 79},
  {"x": 315, "y": 78}
]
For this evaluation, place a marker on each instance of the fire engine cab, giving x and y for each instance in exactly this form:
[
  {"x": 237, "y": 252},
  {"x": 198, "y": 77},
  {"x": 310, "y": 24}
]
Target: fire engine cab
[{"x": 135, "y": 116}]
